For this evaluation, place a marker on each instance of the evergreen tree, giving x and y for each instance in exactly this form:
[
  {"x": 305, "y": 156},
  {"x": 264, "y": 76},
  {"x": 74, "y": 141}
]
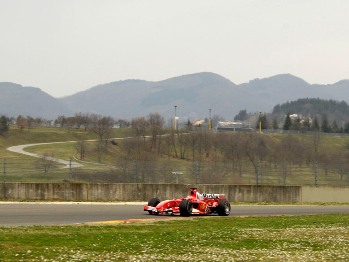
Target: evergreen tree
[
  {"x": 297, "y": 124},
  {"x": 325, "y": 125},
  {"x": 306, "y": 124},
  {"x": 346, "y": 127},
  {"x": 315, "y": 125},
  {"x": 335, "y": 128},
  {"x": 314, "y": 107},
  {"x": 288, "y": 122},
  {"x": 4, "y": 126},
  {"x": 189, "y": 126},
  {"x": 263, "y": 121},
  {"x": 242, "y": 116},
  {"x": 275, "y": 124}
]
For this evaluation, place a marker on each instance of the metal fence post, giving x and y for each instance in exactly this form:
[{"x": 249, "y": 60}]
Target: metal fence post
[
  {"x": 4, "y": 178},
  {"x": 315, "y": 174},
  {"x": 257, "y": 174},
  {"x": 197, "y": 171},
  {"x": 4, "y": 173}
]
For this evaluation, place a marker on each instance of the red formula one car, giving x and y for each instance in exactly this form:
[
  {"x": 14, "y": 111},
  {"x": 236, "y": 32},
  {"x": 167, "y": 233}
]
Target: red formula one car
[{"x": 195, "y": 203}]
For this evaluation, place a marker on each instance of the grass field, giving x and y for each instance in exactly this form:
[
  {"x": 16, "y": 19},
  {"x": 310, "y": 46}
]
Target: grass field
[
  {"x": 274, "y": 238},
  {"x": 154, "y": 168},
  {"x": 21, "y": 168}
]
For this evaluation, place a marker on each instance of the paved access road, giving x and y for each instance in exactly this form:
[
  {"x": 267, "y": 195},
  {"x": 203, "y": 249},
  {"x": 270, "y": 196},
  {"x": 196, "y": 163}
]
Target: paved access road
[{"x": 24, "y": 214}]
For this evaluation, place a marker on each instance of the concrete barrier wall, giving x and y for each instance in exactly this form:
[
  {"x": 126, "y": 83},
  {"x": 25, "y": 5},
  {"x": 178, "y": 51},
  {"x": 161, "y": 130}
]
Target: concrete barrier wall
[
  {"x": 325, "y": 194},
  {"x": 143, "y": 192}
]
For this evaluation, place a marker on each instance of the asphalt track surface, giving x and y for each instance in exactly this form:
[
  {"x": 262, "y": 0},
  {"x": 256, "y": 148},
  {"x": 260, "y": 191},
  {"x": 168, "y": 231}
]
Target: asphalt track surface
[{"x": 57, "y": 213}]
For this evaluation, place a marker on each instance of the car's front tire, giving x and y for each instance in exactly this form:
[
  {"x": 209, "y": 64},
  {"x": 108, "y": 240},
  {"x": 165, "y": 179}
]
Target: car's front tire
[
  {"x": 153, "y": 202},
  {"x": 223, "y": 208},
  {"x": 185, "y": 207}
]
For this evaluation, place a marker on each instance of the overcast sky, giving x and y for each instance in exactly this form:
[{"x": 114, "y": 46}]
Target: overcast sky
[{"x": 67, "y": 46}]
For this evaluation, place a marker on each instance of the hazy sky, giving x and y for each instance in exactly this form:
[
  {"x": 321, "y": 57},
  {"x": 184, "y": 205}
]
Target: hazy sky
[{"x": 66, "y": 46}]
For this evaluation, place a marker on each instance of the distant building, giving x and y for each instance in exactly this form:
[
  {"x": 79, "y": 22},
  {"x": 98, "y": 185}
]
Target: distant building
[
  {"x": 302, "y": 119},
  {"x": 295, "y": 116},
  {"x": 198, "y": 122},
  {"x": 236, "y": 126}
]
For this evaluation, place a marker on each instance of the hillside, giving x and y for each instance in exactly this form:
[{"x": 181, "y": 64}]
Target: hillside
[
  {"x": 314, "y": 107},
  {"x": 193, "y": 95},
  {"x": 29, "y": 101}
]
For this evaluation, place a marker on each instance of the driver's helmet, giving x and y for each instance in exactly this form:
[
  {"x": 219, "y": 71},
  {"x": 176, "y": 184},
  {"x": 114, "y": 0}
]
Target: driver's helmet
[
  {"x": 196, "y": 194},
  {"x": 193, "y": 193}
]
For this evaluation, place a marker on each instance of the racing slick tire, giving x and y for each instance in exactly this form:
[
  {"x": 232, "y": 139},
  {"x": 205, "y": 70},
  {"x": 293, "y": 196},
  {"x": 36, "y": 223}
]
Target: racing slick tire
[
  {"x": 223, "y": 208},
  {"x": 153, "y": 202},
  {"x": 185, "y": 208}
]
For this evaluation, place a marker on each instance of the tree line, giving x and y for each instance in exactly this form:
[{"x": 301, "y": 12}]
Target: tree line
[
  {"x": 155, "y": 149},
  {"x": 209, "y": 157},
  {"x": 306, "y": 114},
  {"x": 296, "y": 122}
]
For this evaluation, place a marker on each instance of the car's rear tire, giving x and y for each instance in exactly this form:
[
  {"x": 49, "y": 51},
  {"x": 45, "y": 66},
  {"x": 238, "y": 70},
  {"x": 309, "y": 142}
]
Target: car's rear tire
[
  {"x": 223, "y": 208},
  {"x": 153, "y": 202},
  {"x": 185, "y": 207}
]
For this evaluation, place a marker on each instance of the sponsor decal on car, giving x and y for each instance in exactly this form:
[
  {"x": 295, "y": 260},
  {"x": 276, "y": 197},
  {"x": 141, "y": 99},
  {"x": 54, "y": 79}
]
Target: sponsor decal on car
[{"x": 210, "y": 195}]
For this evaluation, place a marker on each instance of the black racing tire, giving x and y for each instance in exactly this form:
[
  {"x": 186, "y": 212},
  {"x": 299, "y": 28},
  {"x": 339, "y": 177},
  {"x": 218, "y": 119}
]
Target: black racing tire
[
  {"x": 153, "y": 202},
  {"x": 185, "y": 208},
  {"x": 223, "y": 208}
]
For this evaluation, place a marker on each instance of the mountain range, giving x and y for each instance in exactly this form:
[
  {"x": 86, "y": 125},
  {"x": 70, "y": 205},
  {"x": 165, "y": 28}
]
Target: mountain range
[{"x": 193, "y": 94}]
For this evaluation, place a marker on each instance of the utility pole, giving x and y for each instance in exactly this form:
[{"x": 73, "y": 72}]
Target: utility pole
[
  {"x": 175, "y": 119},
  {"x": 209, "y": 120}
]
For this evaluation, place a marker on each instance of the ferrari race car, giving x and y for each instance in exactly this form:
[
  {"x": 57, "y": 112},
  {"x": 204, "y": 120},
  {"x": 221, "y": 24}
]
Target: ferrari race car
[{"x": 195, "y": 203}]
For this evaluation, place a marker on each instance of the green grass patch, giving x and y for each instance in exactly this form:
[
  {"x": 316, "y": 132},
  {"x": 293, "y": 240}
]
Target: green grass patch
[
  {"x": 115, "y": 164},
  {"x": 274, "y": 238}
]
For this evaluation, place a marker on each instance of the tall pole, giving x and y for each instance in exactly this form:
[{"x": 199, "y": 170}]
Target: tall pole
[
  {"x": 260, "y": 122},
  {"x": 209, "y": 120},
  {"x": 175, "y": 119}
]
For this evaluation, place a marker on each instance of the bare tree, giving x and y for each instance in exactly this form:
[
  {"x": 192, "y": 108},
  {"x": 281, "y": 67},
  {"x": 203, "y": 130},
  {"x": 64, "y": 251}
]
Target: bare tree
[
  {"x": 156, "y": 124},
  {"x": 283, "y": 156},
  {"x": 255, "y": 148},
  {"x": 46, "y": 163},
  {"x": 80, "y": 147},
  {"x": 193, "y": 141},
  {"x": 102, "y": 126},
  {"x": 70, "y": 122},
  {"x": 231, "y": 146},
  {"x": 173, "y": 140},
  {"x": 123, "y": 123},
  {"x": 60, "y": 121},
  {"x": 182, "y": 140},
  {"x": 22, "y": 122},
  {"x": 139, "y": 126},
  {"x": 81, "y": 120},
  {"x": 141, "y": 161},
  {"x": 101, "y": 148},
  {"x": 31, "y": 122}
]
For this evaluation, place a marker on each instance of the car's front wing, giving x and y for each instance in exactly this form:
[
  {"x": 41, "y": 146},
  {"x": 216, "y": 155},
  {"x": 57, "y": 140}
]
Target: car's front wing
[{"x": 170, "y": 211}]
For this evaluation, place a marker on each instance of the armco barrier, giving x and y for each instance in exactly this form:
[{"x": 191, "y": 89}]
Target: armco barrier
[{"x": 143, "y": 192}]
